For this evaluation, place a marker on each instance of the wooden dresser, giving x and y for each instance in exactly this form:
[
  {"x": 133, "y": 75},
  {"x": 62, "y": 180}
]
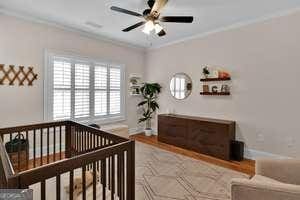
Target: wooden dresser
[{"x": 207, "y": 136}]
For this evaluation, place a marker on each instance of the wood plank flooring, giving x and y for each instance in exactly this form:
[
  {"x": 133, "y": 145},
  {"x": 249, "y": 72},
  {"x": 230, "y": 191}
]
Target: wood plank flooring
[{"x": 246, "y": 166}]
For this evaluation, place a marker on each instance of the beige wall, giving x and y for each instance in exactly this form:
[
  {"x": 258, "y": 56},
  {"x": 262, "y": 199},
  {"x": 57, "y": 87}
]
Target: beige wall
[
  {"x": 264, "y": 59},
  {"x": 24, "y": 43}
]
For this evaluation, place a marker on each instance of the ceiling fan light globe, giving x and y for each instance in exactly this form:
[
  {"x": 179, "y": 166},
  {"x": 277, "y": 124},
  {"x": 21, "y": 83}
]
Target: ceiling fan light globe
[
  {"x": 149, "y": 25},
  {"x": 158, "y": 28},
  {"x": 146, "y": 31}
]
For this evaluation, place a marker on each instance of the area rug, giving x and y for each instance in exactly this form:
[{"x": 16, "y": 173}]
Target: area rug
[{"x": 163, "y": 175}]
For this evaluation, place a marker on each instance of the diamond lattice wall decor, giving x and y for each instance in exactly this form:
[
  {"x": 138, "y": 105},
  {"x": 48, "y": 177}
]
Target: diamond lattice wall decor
[{"x": 12, "y": 75}]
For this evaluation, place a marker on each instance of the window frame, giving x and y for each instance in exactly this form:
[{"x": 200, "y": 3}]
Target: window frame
[{"x": 48, "y": 87}]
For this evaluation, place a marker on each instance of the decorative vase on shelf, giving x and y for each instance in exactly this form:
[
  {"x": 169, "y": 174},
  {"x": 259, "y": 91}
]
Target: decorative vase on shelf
[{"x": 206, "y": 72}]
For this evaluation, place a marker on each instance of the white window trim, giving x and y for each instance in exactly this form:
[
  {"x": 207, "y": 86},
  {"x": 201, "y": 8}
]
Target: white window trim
[{"x": 48, "y": 88}]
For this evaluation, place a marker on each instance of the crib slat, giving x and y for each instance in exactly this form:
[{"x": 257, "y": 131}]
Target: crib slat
[
  {"x": 130, "y": 172},
  {"x": 43, "y": 190},
  {"x": 19, "y": 153},
  {"x": 54, "y": 143},
  {"x": 41, "y": 146},
  {"x": 83, "y": 183},
  {"x": 79, "y": 140},
  {"x": 103, "y": 175},
  {"x": 60, "y": 141},
  {"x": 118, "y": 175},
  {"x": 109, "y": 173},
  {"x": 97, "y": 143},
  {"x": 71, "y": 186},
  {"x": 90, "y": 140},
  {"x": 113, "y": 178},
  {"x": 82, "y": 140},
  {"x": 75, "y": 140},
  {"x": 27, "y": 151},
  {"x": 87, "y": 140},
  {"x": 94, "y": 181},
  {"x": 47, "y": 145},
  {"x": 94, "y": 141},
  {"x": 34, "y": 147},
  {"x": 122, "y": 176},
  {"x": 58, "y": 187}
]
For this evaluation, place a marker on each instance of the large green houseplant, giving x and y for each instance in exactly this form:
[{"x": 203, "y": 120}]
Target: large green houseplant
[{"x": 149, "y": 104}]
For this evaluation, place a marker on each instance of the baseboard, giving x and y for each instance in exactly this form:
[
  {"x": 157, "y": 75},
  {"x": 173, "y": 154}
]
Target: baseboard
[
  {"x": 251, "y": 154},
  {"x": 255, "y": 154},
  {"x": 134, "y": 131}
]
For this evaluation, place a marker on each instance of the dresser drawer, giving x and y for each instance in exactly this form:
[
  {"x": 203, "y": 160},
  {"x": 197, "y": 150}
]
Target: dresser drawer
[{"x": 172, "y": 133}]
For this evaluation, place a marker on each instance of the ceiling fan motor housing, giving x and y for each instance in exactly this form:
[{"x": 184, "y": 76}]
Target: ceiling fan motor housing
[{"x": 146, "y": 12}]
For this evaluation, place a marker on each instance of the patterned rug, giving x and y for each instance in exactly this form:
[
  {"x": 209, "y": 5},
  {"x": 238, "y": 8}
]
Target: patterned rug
[{"x": 163, "y": 175}]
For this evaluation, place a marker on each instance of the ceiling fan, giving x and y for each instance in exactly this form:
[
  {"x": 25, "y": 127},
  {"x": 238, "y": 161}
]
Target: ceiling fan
[{"x": 152, "y": 17}]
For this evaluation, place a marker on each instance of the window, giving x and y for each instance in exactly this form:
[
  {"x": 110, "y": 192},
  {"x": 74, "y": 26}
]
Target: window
[{"x": 83, "y": 90}]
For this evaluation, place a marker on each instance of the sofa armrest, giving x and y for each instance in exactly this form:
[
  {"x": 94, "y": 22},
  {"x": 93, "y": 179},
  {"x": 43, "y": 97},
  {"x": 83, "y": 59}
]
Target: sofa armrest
[
  {"x": 283, "y": 170},
  {"x": 243, "y": 189}
]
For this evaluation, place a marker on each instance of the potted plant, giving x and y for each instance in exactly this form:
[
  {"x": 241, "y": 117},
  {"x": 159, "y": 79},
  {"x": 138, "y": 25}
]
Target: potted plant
[
  {"x": 149, "y": 104},
  {"x": 206, "y": 72}
]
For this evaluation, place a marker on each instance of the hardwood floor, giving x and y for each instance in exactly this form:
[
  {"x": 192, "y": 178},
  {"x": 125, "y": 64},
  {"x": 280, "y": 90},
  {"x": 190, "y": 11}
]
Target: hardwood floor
[{"x": 246, "y": 166}]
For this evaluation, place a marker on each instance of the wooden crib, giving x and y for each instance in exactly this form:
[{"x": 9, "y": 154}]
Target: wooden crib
[{"x": 59, "y": 149}]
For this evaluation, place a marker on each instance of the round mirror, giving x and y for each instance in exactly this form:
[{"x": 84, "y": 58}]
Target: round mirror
[{"x": 181, "y": 86}]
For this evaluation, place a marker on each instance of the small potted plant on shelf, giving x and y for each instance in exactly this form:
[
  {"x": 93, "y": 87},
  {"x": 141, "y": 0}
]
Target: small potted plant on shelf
[
  {"x": 149, "y": 104},
  {"x": 205, "y": 72}
]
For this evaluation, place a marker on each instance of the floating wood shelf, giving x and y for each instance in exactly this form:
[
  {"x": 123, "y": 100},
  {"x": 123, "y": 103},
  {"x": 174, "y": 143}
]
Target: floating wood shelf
[
  {"x": 215, "y": 93},
  {"x": 214, "y": 79}
]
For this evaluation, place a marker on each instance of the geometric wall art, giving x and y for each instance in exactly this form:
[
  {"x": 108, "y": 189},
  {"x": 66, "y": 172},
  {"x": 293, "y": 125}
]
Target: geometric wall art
[{"x": 12, "y": 75}]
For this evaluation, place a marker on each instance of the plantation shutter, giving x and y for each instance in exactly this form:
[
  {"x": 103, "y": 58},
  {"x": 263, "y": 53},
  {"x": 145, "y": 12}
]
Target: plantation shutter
[
  {"x": 61, "y": 89},
  {"x": 82, "y": 91},
  {"x": 115, "y": 91},
  {"x": 101, "y": 90}
]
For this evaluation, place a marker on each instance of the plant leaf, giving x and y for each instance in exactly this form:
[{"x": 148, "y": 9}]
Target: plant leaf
[{"x": 142, "y": 103}]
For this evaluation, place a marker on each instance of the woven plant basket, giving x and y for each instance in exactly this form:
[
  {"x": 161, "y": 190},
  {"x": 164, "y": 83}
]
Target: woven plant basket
[{"x": 17, "y": 150}]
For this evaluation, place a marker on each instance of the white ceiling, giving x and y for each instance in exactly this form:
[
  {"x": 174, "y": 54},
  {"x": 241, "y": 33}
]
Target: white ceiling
[{"x": 209, "y": 16}]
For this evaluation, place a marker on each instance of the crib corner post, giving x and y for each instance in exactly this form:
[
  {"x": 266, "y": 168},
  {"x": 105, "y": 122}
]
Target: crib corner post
[
  {"x": 68, "y": 140},
  {"x": 131, "y": 171},
  {"x": 13, "y": 183}
]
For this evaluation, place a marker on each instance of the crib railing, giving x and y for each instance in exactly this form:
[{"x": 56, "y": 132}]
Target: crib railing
[{"x": 64, "y": 147}]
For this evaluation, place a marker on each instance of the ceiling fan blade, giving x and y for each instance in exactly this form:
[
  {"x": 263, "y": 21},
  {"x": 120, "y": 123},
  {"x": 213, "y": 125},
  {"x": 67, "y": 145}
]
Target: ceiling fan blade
[
  {"x": 134, "y": 26},
  {"x": 151, "y": 3},
  {"x": 158, "y": 6},
  {"x": 162, "y": 33},
  {"x": 128, "y": 12},
  {"x": 177, "y": 19}
]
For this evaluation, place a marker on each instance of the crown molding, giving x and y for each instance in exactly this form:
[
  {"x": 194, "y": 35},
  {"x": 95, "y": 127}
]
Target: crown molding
[
  {"x": 230, "y": 27},
  {"x": 69, "y": 27}
]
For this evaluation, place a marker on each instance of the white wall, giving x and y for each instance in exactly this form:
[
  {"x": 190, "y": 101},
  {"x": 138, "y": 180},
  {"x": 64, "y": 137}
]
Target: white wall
[
  {"x": 24, "y": 43},
  {"x": 264, "y": 60}
]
